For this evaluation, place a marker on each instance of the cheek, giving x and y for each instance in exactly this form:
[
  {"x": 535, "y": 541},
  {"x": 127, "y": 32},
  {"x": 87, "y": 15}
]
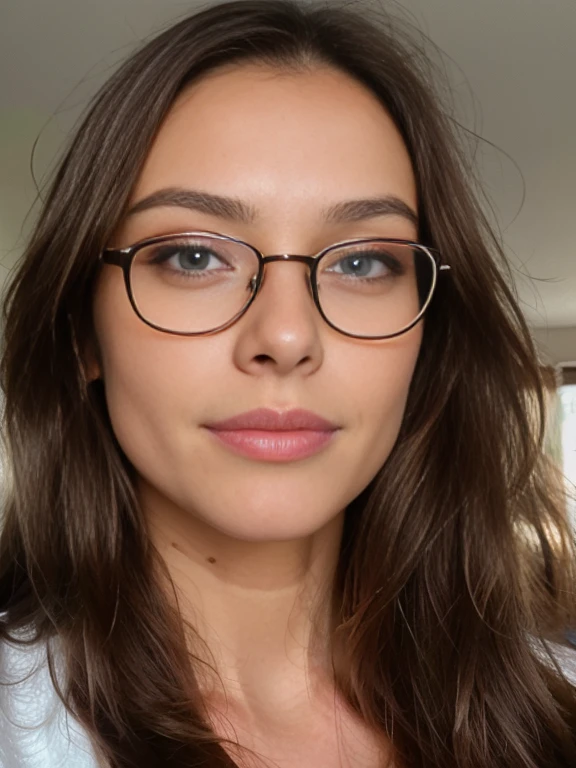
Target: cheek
[
  {"x": 381, "y": 380},
  {"x": 140, "y": 367}
]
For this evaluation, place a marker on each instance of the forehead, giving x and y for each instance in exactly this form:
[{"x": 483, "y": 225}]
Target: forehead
[{"x": 286, "y": 142}]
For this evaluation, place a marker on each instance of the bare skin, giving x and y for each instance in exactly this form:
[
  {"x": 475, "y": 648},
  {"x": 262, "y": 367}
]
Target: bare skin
[{"x": 251, "y": 545}]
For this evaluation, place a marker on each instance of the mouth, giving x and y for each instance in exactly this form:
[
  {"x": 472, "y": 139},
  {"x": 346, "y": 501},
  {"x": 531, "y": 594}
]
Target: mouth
[{"x": 270, "y": 435}]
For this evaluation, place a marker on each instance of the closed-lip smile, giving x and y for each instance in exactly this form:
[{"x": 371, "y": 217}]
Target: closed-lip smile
[
  {"x": 275, "y": 421},
  {"x": 271, "y": 435}
]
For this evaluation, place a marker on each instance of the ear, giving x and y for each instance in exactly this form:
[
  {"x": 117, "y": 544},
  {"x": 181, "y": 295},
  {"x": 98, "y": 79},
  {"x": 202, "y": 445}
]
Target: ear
[{"x": 91, "y": 363}]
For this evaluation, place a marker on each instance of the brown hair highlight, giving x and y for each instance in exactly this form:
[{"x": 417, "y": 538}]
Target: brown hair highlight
[{"x": 457, "y": 561}]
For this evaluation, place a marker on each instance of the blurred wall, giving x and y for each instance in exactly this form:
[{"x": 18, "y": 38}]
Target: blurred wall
[{"x": 556, "y": 345}]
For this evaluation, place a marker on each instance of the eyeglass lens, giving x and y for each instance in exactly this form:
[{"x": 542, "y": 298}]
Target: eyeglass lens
[{"x": 200, "y": 283}]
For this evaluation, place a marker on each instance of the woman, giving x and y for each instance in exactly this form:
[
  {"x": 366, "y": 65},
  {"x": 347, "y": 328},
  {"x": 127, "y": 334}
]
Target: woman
[{"x": 273, "y": 422}]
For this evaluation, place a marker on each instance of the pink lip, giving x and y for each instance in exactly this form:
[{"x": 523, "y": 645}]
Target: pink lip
[
  {"x": 275, "y": 421},
  {"x": 274, "y": 436}
]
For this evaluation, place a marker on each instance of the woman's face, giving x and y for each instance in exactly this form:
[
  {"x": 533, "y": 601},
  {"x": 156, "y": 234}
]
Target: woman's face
[{"x": 288, "y": 146}]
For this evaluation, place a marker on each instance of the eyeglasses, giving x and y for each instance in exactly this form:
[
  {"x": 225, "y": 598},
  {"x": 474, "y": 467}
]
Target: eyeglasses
[{"x": 197, "y": 283}]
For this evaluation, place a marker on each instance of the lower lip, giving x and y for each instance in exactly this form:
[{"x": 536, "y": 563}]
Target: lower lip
[{"x": 274, "y": 446}]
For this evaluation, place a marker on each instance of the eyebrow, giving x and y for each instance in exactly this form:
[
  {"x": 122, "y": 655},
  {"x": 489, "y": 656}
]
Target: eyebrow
[{"x": 239, "y": 211}]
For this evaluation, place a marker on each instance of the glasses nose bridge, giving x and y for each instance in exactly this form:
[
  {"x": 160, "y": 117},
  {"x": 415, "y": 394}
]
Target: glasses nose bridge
[{"x": 308, "y": 260}]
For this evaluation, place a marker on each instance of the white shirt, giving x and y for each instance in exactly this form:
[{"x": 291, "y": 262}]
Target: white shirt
[{"x": 36, "y": 731}]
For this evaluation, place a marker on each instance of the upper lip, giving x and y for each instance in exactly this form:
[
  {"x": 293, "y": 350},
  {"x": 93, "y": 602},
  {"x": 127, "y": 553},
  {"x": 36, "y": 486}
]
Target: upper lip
[{"x": 275, "y": 421}]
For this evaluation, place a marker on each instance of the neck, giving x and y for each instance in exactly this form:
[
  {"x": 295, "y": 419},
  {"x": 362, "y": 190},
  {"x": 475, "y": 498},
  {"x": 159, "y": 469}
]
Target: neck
[{"x": 261, "y": 608}]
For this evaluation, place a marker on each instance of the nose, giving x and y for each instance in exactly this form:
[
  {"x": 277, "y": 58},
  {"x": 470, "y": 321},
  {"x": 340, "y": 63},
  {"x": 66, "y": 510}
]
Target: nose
[{"x": 281, "y": 331}]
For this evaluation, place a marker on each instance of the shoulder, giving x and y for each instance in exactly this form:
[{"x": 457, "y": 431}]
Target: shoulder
[
  {"x": 36, "y": 730},
  {"x": 555, "y": 653},
  {"x": 566, "y": 657}
]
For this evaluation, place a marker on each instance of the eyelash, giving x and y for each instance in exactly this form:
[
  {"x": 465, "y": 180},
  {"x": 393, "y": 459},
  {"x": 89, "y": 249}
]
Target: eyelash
[{"x": 163, "y": 253}]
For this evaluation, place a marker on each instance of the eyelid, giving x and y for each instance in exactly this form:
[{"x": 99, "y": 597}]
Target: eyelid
[{"x": 149, "y": 240}]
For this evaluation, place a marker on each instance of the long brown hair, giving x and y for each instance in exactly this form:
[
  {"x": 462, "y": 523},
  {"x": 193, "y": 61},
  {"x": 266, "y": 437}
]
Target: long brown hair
[{"x": 457, "y": 561}]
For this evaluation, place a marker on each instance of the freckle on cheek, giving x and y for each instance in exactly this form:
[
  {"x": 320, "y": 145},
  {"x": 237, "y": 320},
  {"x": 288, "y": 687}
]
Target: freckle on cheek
[{"x": 211, "y": 559}]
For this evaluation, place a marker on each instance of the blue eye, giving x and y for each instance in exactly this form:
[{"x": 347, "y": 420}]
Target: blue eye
[{"x": 188, "y": 258}]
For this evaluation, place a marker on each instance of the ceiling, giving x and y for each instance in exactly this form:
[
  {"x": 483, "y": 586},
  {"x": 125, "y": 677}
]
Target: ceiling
[{"x": 512, "y": 64}]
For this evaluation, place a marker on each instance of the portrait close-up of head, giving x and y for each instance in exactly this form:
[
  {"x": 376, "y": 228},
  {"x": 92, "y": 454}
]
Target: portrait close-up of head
[{"x": 288, "y": 386}]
